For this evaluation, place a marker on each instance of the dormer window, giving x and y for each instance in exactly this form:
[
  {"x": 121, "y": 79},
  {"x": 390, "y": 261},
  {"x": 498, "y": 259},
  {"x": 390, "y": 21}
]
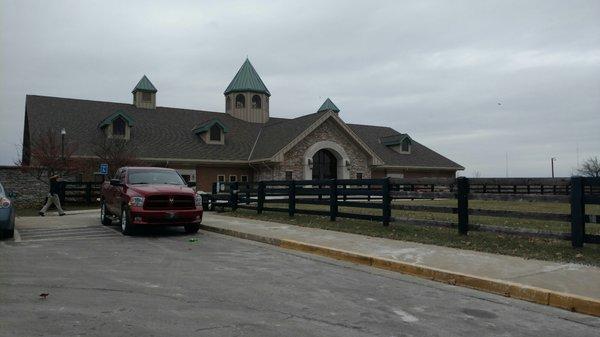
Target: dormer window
[
  {"x": 256, "y": 102},
  {"x": 211, "y": 132},
  {"x": 215, "y": 133},
  {"x": 117, "y": 125},
  {"x": 405, "y": 146},
  {"x": 399, "y": 143}
]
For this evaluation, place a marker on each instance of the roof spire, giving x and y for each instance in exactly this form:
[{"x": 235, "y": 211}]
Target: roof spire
[
  {"x": 328, "y": 105},
  {"x": 144, "y": 85},
  {"x": 247, "y": 79}
]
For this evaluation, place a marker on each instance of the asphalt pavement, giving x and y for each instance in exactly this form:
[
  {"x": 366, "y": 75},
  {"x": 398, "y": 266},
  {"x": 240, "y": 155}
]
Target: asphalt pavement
[{"x": 166, "y": 283}]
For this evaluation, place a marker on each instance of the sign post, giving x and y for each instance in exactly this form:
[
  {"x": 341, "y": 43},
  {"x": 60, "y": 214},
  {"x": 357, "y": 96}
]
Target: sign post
[{"x": 103, "y": 169}]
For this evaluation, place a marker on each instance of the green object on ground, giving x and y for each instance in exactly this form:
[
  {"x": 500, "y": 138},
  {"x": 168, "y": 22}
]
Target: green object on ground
[{"x": 193, "y": 240}]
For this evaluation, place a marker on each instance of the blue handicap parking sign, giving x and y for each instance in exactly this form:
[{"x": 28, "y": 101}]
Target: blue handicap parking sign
[{"x": 103, "y": 168}]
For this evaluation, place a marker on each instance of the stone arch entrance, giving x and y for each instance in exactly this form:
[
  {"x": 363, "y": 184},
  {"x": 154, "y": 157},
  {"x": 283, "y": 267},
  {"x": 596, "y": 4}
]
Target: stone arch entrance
[
  {"x": 324, "y": 165},
  {"x": 339, "y": 164}
]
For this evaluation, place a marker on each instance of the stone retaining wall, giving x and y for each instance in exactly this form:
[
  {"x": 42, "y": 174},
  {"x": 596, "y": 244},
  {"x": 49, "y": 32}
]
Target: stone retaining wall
[{"x": 29, "y": 191}]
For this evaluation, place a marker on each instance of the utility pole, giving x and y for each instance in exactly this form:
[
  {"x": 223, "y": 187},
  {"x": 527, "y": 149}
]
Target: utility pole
[{"x": 552, "y": 165}]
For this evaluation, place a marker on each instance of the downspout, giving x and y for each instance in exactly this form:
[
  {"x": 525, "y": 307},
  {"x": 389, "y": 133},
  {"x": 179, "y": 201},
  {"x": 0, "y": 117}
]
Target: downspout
[{"x": 252, "y": 150}]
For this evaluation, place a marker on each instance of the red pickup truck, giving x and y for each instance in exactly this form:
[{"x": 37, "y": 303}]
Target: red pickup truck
[{"x": 148, "y": 196}]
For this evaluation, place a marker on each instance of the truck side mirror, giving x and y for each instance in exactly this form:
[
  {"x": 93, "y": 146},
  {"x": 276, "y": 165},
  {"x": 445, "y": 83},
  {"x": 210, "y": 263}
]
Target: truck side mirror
[
  {"x": 115, "y": 182},
  {"x": 191, "y": 184}
]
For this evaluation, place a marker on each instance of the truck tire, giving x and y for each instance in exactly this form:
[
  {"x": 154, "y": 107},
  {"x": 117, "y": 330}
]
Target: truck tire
[
  {"x": 104, "y": 218},
  {"x": 8, "y": 233},
  {"x": 126, "y": 226},
  {"x": 192, "y": 228}
]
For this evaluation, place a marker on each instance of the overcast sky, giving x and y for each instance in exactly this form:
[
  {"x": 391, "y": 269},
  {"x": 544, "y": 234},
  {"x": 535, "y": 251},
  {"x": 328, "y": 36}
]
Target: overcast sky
[{"x": 477, "y": 81}]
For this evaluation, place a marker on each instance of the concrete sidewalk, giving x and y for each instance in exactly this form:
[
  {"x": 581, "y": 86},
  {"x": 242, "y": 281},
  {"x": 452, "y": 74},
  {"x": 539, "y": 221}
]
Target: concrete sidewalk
[{"x": 569, "y": 286}]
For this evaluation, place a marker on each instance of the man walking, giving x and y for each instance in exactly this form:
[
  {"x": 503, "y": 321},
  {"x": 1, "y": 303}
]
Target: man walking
[{"x": 55, "y": 185}]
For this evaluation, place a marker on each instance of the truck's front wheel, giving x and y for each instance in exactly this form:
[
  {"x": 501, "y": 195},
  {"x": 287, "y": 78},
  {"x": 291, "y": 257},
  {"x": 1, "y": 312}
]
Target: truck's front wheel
[
  {"x": 126, "y": 226},
  {"x": 192, "y": 228}
]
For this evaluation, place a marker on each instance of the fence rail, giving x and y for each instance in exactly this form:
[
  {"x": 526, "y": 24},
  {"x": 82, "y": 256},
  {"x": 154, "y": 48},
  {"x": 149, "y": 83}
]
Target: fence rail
[
  {"x": 379, "y": 194},
  {"x": 80, "y": 192}
]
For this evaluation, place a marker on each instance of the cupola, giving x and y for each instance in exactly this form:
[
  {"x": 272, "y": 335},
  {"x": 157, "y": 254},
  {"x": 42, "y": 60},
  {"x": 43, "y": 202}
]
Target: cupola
[
  {"x": 247, "y": 97},
  {"x": 328, "y": 106},
  {"x": 144, "y": 94}
]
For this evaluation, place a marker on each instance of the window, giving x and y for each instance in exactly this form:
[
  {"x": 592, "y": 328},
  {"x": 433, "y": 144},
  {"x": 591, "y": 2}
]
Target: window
[
  {"x": 146, "y": 97},
  {"x": 232, "y": 178},
  {"x": 240, "y": 101},
  {"x": 359, "y": 175},
  {"x": 289, "y": 175},
  {"x": 215, "y": 133},
  {"x": 221, "y": 178},
  {"x": 256, "y": 102},
  {"x": 244, "y": 178},
  {"x": 405, "y": 147},
  {"x": 118, "y": 127},
  {"x": 228, "y": 103}
]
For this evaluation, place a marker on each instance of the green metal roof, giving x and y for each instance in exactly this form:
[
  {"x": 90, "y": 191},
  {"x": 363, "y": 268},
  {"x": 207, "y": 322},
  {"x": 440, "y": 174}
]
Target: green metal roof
[
  {"x": 119, "y": 113},
  {"x": 247, "y": 79},
  {"x": 395, "y": 139},
  {"x": 328, "y": 105},
  {"x": 204, "y": 127},
  {"x": 144, "y": 85}
]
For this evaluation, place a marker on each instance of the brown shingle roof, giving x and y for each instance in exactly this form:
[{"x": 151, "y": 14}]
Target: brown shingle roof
[{"x": 167, "y": 132}]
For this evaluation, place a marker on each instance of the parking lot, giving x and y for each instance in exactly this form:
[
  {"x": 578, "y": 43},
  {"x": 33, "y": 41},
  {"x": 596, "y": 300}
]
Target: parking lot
[{"x": 166, "y": 283}]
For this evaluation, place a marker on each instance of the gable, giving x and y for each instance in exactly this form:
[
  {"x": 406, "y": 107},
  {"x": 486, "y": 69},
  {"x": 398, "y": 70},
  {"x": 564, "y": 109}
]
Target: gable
[{"x": 330, "y": 116}]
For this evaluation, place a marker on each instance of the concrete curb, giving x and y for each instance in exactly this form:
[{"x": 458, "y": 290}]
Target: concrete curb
[{"x": 580, "y": 304}]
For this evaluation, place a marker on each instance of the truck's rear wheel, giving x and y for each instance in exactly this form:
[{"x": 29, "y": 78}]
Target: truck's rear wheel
[{"x": 192, "y": 228}]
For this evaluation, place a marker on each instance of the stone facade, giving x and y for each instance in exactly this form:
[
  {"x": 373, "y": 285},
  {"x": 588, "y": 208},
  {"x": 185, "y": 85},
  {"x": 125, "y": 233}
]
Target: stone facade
[
  {"x": 295, "y": 161},
  {"x": 28, "y": 191}
]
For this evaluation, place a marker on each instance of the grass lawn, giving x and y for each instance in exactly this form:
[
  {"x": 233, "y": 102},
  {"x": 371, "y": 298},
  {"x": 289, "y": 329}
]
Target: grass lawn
[{"x": 533, "y": 248}]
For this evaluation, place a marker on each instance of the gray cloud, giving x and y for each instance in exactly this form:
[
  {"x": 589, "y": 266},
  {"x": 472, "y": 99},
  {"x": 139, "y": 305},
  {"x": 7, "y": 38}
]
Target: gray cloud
[{"x": 434, "y": 69}]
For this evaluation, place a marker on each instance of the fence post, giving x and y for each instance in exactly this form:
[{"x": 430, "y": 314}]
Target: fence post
[
  {"x": 88, "y": 193},
  {"x": 233, "y": 196},
  {"x": 462, "y": 184},
  {"x": 247, "y": 193},
  {"x": 577, "y": 212},
  {"x": 292, "y": 198},
  {"x": 333, "y": 202},
  {"x": 386, "y": 199},
  {"x": 261, "y": 197}
]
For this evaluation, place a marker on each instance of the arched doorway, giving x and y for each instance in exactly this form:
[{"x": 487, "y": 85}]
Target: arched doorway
[{"x": 324, "y": 165}]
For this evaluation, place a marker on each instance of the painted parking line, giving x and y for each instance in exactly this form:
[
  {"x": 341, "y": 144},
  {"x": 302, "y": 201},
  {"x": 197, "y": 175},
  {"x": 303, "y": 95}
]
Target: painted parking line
[{"x": 73, "y": 233}]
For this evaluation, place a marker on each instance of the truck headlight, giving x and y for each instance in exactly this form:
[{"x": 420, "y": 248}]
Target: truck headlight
[
  {"x": 136, "y": 201},
  {"x": 198, "y": 200}
]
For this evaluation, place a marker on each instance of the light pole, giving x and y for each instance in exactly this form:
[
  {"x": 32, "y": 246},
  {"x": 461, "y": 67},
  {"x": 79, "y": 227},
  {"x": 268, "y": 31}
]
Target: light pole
[
  {"x": 552, "y": 160},
  {"x": 63, "y": 133}
]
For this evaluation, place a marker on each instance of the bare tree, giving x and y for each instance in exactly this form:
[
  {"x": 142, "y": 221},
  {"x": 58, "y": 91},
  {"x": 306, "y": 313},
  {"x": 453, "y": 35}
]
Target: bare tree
[
  {"x": 115, "y": 152},
  {"x": 590, "y": 167},
  {"x": 49, "y": 156},
  {"x": 476, "y": 174}
]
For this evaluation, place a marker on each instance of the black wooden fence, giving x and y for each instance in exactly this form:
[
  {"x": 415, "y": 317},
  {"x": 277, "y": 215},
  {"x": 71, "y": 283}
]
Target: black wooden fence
[
  {"x": 80, "y": 192},
  {"x": 379, "y": 194}
]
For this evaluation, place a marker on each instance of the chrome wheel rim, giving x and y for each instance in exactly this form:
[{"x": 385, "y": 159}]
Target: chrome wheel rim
[{"x": 123, "y": 220}]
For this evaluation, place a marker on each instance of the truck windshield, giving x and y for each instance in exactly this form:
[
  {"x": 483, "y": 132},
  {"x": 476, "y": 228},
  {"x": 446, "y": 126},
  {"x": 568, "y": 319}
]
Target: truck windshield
[{"x": 158, "y": 177}]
